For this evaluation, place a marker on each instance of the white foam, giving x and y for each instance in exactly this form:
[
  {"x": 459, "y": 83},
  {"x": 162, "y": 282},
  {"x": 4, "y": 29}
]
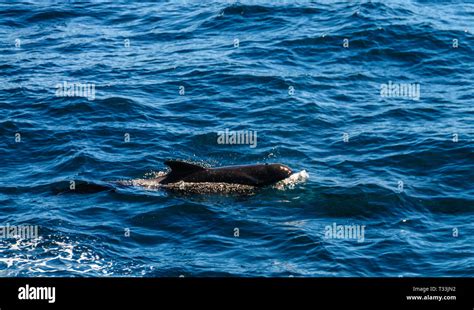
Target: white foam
[
  {"x": 291, "y": 181},
  {"x": 41, "y": 256},
  {"x": 209, "y": 188}
]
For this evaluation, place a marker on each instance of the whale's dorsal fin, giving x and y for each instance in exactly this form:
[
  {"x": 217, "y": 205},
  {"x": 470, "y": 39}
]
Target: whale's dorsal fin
[{"x": 181, "y": 168}]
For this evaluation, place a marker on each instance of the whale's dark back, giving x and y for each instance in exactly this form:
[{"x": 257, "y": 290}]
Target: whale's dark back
[{"x": 253, "y": 175}]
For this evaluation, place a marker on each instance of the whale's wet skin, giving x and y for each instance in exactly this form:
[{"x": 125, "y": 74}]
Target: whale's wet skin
[
  {"x": 193, "y": 178},
  {"x": 251, "y": 175}
]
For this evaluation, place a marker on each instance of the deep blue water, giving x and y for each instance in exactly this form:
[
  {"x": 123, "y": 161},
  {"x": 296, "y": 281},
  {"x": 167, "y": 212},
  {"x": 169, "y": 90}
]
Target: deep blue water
[{"x": 289, "y": 78}]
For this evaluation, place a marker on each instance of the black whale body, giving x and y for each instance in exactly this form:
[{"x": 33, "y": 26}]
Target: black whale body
[{"x": 252, "y": 175}]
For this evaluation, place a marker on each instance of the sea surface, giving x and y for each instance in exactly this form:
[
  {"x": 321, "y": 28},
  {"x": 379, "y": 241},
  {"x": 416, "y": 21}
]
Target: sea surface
[{"x": 166, "y": 77}]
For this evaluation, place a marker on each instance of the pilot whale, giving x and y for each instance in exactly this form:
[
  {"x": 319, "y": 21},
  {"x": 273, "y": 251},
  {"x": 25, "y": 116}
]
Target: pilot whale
[
  {"x": 194, "y": 178},
  {"x": 259, "y": 175}
]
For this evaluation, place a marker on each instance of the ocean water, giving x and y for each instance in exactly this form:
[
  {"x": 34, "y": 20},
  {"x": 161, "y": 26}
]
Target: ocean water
[{"x": 166, "y": 77}]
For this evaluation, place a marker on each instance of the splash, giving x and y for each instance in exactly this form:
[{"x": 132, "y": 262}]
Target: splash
[
  {"x": 150, "y": 181},
  {"x": 292, "y": 180},
  {"x": 211, "y": 188}
]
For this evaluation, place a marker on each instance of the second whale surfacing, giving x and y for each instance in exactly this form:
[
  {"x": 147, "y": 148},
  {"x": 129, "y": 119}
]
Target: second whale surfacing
[{"x": 185, "y": 176}]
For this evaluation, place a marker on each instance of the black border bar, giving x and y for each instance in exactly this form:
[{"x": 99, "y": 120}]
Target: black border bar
[{"x": 316, "y": 293}]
